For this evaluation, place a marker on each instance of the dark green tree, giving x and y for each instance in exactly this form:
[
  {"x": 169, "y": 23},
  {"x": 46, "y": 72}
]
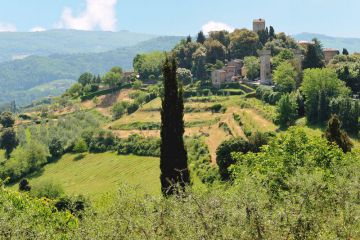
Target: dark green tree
[
  {"x": 188, "y": 39},
  {"x": 334, "y": 134},
  {"x": 8, "y": 141},
  {"x": 173, "y": 155},
  {"x": 7, "y": 119},
  {"x": 287, "y": 110},
  {"x": 214, "y": 51},
  {"x": 199, "y": 69},
  {"x": 222, "y": 36},
  {"x": 314, "y": 57},
  {"x": 345, "y": 52},
  {"x": 24, "y": 185},
  {"x": 263, "y": 36},
  {"x": 272, "y": 33},
  {"x": 85, "y": 78},
  {"x": 223, "y": 154},
  {"x": 201, "y": 37}
]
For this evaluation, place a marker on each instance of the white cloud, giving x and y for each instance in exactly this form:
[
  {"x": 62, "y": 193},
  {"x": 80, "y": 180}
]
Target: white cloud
[
  {"x": 37, "y": 29},
  {"x": 216, "y": 26},
  {"x": 7, "y": 27},
  {"x": 98, "y": 14}
]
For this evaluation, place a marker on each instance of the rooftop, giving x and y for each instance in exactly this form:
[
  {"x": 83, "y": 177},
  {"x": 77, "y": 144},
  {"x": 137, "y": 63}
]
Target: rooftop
[{"x": 260, "y": 20}]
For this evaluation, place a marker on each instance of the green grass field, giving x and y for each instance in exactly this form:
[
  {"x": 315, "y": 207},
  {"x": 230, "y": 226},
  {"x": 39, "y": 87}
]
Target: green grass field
[{"x": 97, "y": 174}]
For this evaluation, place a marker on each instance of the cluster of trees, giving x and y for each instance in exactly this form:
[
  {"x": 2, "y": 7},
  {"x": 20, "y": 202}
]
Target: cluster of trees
[
  {"x": 128, "y": 107},
  {"x": 89, "y": 83},
  {"x": 36, "y": 145},
  {"x": 8, "y": 139},
  {"x": 348, "y": 70}
]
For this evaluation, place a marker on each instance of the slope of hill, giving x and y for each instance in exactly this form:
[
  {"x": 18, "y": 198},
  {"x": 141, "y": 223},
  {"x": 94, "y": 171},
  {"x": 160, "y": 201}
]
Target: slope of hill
[
  {"x": 22, "y": 75},
  {"x": 351, "y": 44},
  {"x": 17, "y": 45}
]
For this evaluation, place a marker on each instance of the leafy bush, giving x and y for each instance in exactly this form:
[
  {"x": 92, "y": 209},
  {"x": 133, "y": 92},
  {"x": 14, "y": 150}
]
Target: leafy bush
[
  {"x": 224, "y": 151},
  {"x": 138, "y": 145},
  {"x": 49, "y": 189},
  {"x": 102, "y": 141}
]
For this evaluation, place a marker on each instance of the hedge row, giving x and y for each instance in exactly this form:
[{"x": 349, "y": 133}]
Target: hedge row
[{"x": 104, "y": 92}]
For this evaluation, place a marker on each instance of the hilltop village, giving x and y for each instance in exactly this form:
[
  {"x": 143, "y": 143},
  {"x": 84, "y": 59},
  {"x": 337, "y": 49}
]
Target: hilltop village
[{"x": 234, "y": 69}]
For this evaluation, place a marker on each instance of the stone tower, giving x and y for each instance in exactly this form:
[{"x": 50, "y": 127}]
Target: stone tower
[
  {"x": 259, "y": 25},
  {"x": 265, "y": 67}
]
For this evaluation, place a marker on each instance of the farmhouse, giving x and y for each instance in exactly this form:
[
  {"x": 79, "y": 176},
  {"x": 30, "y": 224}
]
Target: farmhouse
[{"x": 227, "y": 74}]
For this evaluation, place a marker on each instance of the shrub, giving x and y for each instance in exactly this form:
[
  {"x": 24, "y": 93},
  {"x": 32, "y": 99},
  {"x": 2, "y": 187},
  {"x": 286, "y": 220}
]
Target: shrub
[
  {"x": 24, "y": 185},
  {"x": 138, "y": 145},
  {"x": 49, "y": 189},
  {"x": 102, "y": 141},
  {"x": 223, "y": 154},
  {"x": 287, "y": 110},
  {"x": 80, "y": 146}
]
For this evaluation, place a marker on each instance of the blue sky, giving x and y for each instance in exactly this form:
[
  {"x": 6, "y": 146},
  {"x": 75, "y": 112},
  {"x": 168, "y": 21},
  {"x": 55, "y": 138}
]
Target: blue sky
[{"x": 181, "y": 17}]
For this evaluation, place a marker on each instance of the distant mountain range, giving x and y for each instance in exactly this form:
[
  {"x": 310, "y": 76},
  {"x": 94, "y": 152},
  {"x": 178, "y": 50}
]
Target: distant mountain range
[
  {"x": 20, "y": 79},
  {"x": 17, "y": 45},
  {"x": 351, "y": 44}
]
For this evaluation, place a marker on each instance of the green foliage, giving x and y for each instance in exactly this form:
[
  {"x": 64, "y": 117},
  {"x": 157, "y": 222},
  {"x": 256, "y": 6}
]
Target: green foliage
[
  {"x": 24, "y": 185},
  {"x": 224, "y": 151},
  {"x": 252, "y": 65},
  {"x": 114, "y": 77},
  {"x": 22, "y": 217},
  {"x": 47, "y": 189},
  {"x": 85, "y": 79},
  {"x": 200, "y": 160},
  {"x": 80, "y": 146},
  {"x": 8, "y": 140},
  {"x": 214, "y": 51},
  {"x": 285, "y": 78},
  {"x": 200, "y": 37},
  {"x": 287, "y": 110},
  {"x": 56, "y": 148},
  {"x": 149, "y": 64},
  {"x": 283, "y": 56},
  {"x": 24, "y": 160},
  {"x": 184, "y": 76},
  {"x": 7, "y": 119},
  {"x": 267, "y": 94},
  {"x": 243, "y": 43},
  {"x": 318, "y": 87},
  {"x": 173, "y": 157},
  {"x": 314, "y": 57},
  {"x": 216, "y": 108},
  {"x": 102, "y": 141},
  {"x": 334, "y": 134},
  {"x": 348, "y": 70},
  {"x": 348, "y": 111},
  {"x": 138, "y": 145},
  {"x": 119, "y": 109}
]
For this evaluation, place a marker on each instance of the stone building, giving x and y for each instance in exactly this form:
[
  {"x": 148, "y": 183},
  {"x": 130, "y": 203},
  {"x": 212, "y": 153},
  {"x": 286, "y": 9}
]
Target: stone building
[
  {"x": 265, "y": 66},
  {"x": 329, "y": 54},
  {"x": 227, "y": 74},
  {"x": 259, "y": 25}
]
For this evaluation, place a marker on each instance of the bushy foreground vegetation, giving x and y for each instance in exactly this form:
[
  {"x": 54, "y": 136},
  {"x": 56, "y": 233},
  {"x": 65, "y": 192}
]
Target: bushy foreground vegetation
[{"x": 297, "y": 187}]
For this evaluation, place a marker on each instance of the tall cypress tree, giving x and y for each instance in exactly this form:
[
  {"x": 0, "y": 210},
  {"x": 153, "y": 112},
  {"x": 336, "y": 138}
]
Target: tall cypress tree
[
  {"x": 201, "y": 37},
  {"x": 173, "y": 156}
]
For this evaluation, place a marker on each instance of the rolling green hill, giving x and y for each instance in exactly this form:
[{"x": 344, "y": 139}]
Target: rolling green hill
[
  {"x": 96, "y": 174},
  {"x": 351, "y": 44},
  {"x": 21, "y": 75},
  {"x": 15, "y": 45}
]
